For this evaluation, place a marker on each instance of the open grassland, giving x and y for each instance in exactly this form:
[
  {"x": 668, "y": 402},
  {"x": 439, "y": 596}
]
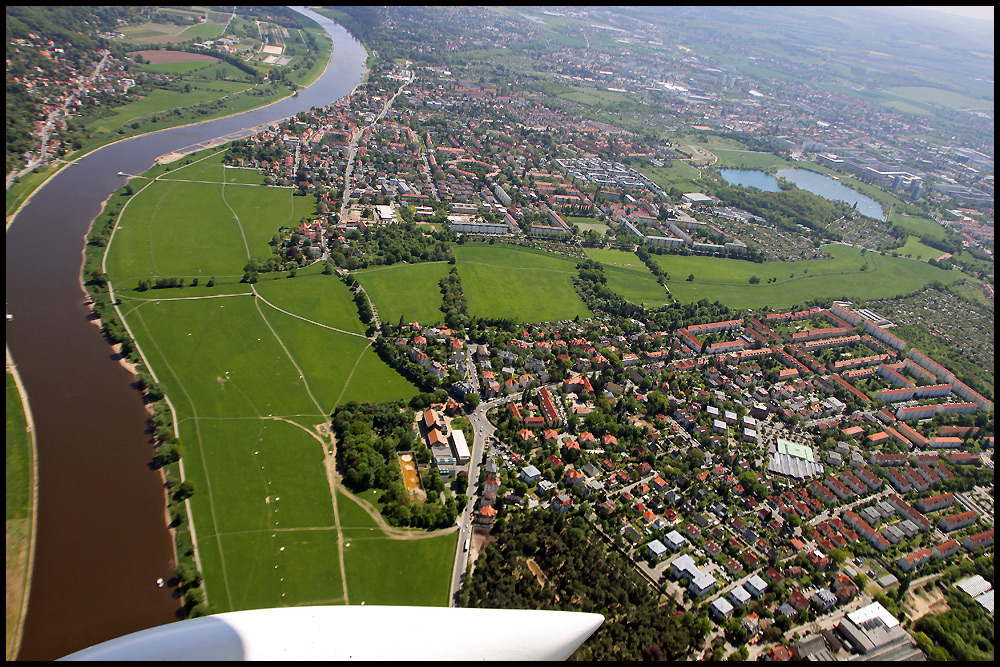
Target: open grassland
[
  {"x": 628, "y": 276},
  {"x": 678, "y": 175},
  {"x": 252, "y": 373},
  {"x": 616, "y": 258},
  {"x": 410, "y": 291},
  {"x": 741, "y": 159},
  {"x": 165, "y": 101},
  {"x": 175, "y": 228},
  {"x": 384, "y": 570},
  {"x": 504, "y": 281},
  {"x": 841, "y": 276},
  {"x": 914, "y": 248},
  {"x": 20, "y": 480},
  {"x": 585, "y": 224},
  {"x": 918, "y": 226}
]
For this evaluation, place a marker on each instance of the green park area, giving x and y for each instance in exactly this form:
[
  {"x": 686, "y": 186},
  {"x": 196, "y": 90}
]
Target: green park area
[
  {"x": 253, "y": 373},
  {"x": 20, "y": 491},
  {"x": 674, "y": 174},
  {"x": 849, "y": 273},
  {"x": 408, "y": 291},
  {"x": 629, "y": 277},
  {"x": 918, "y": 225},
  {"x": 505, "y": 281},
  {"x": 586, "y": 224},
  {"x": 916, "y": 249}
]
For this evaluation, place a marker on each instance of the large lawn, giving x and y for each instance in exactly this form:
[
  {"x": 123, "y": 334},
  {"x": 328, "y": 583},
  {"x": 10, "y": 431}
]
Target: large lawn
[
  {"x": 504, "y": 281},
  {"x": 410, "y": 291},
  {"x": 727, "y": 280},
  {"x": 251, "y": 371},
  {"x": 176, "y": 228},
  {"x": 383, "y": 570},
  {"x": 628, "y": 276}
]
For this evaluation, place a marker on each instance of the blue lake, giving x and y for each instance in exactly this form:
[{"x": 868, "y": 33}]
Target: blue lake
[
  {"x": 750, "y": 178},
  {"x": 818, "y": 184}
]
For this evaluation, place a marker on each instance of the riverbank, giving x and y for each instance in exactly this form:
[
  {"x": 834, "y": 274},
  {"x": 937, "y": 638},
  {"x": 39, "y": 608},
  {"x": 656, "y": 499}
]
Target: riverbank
[
  {"x": 20, "y": 533},
  {"x": 24, "y": 195}
]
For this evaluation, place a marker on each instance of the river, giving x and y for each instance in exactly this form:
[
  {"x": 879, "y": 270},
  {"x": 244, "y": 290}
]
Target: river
[{"x": 102, "y": 540}]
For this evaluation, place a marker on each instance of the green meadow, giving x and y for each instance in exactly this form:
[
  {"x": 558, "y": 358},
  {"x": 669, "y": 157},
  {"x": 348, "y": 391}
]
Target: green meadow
[
  {"x": 679, "y": 174},
  {"x": 175, "y": 228},
  {"x": 252, "y": 372},
  {"x": 385, "y": 570},
  {"x": 628, "y": 276},
  {"x": 918, "y": 225},
  {"x": 916, "y": 249},
  {"x": 20, "y": 516},
  {"x": 840, "y": 276},
  {"x": 410, "y": 291},
  {"x": 504, "y": 281}
]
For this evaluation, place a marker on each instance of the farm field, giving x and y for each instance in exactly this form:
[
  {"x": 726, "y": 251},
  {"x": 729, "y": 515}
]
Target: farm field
[
  {"x": 410, "y": 291},
  {"x": 727, "y": 280},
  {"x": 946, "y": 98},
  {"x": 504, "y": 281},
  {"x": 252, "y": 372},
  {"x": 628, "y": 276}
]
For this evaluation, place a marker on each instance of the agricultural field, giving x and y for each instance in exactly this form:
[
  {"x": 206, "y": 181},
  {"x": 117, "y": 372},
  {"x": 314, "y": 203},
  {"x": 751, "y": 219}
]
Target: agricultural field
[
  {"x": 503, "y": 281},
  {"x": 937, "y": 96},
  {"x": 253, "y": 373},
  {"x": 841, "y": 276},
  {"x": 410, "y": 291}
]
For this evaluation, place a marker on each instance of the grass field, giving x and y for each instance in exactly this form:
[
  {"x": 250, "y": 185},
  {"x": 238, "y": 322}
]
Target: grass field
[
  {"x": 586, "y": 224},
  {"x": 251, "y": 373},
  {"x": 914, "y": 248},
  {"x": 20, "y": 480},
  {"x": 628, "y": 276},
  {"x": 159, "y": 236},
  {"x": 504, "y": 281},
  {"x": 680, "y": 175},
  {"x": 946, "y": 98},
  {"x": 918, "y": 226},
  {"x": 741, "y": 159},
  {"x": 382, "y": 570},
  {"x": 727, "y": 280},
  {"x": 410, "y": 291}
]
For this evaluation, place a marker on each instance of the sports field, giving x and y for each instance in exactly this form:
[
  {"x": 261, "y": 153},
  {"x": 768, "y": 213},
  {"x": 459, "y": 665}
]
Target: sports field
[
  {"x": 410, "y": 291},
  {"x": 839, "y": 277},
  {"x": 253, "y": 373},
  {"x": 504, "y": 281}
]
